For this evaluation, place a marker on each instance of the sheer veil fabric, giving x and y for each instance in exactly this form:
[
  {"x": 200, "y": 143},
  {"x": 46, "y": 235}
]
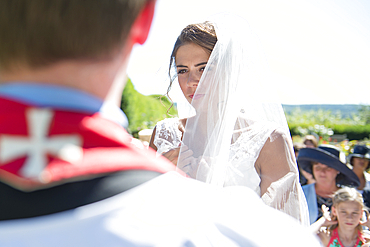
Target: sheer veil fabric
[{"x": 237, "y": 112}]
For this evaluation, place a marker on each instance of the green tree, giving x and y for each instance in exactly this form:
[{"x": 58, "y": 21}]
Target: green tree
[{"x": 143, "y": 112}]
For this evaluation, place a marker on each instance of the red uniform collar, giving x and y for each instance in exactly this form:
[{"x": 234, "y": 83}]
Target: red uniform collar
[{"x": 43, "y": 147}]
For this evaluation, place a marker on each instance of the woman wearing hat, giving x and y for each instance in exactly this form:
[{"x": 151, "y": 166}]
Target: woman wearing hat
[
  {"x": 329, "y": 172},
  {"x": 359, "y": 161}
]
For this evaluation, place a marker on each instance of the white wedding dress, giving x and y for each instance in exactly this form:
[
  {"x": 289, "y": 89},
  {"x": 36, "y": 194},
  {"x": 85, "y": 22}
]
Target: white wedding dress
[
  {"x": 240, "y": 168},
  {"x": 237, "y": 121},
  {"x": 168, "y": 136}
]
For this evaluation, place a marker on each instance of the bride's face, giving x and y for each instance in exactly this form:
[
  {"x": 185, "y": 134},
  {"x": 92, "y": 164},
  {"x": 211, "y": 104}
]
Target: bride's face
[{"x": 191, "y": 61}]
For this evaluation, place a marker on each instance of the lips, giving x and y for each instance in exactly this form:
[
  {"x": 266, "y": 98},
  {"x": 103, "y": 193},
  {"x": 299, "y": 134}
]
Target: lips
[{"x": 196, "y": 96}]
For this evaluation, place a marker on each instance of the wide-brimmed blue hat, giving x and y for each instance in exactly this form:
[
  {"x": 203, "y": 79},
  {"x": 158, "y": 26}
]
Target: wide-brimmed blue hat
[
  {"x": 327, "y": 155},
  {"x": 359, "y": 151}
]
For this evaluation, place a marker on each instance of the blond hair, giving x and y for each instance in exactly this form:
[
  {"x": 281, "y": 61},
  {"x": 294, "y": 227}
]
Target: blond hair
[
  {"x": 310, "y": 138},
  {"x": 347, "y": 194}
]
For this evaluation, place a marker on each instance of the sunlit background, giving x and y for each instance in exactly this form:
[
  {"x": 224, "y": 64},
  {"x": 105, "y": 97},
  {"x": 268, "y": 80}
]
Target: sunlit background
[{"x": 318, "y": 50}]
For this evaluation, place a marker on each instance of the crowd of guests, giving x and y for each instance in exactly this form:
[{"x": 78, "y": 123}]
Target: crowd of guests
[{"x": 326, "y": 174}]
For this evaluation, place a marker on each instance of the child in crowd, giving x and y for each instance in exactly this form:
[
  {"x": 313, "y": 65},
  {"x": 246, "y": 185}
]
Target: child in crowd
[{"x": 343, "y": 227}]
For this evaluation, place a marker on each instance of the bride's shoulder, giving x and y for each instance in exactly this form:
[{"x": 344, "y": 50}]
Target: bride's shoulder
[
  {"x": 280, "y": 135},
  {"x": 277, "y": 141}
]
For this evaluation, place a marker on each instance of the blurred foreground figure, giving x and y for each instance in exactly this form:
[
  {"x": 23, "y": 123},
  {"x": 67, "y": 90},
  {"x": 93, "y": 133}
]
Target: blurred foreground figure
[{"x": 69, "y": 173}]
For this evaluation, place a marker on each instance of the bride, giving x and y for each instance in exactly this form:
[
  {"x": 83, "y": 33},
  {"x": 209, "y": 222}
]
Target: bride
[{"x": 238, "y": 134}]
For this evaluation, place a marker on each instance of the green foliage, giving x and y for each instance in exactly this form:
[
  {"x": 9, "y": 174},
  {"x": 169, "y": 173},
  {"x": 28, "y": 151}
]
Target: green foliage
[
  {"x": 346, "y": 110},
  {"x": 354, "y": 121},
  {"x": 364, "y": 113},
  {"x": 322, "y": 117},
  {"x": 353, "y": 132},
  {"x": 142, "y": 111},
  {"x": 325, "y": 123}
]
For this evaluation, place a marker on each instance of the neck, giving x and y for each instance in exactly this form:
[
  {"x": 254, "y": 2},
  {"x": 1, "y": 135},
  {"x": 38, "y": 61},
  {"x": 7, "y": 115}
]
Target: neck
[
  {"x": 325, "y": 190},
  {"x": 358, "y": 171},
  {"x": 348, "y": 237},
  {"x": 104, "y": 79}
]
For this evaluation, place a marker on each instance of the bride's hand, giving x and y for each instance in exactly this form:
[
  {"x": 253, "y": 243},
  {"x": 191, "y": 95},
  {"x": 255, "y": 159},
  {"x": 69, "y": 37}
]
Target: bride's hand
[
  {"x": 173, "y": 155},
  {"x": 197, "y": 168},
  {"x": 188, "y": 163}
]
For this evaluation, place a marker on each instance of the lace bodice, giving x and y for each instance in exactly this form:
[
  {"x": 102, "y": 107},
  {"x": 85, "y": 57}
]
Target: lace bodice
[
  {"x": 244, "y": 152},
  {"x": 246, "y": 144},
  {"x": 168, "y": 136}
]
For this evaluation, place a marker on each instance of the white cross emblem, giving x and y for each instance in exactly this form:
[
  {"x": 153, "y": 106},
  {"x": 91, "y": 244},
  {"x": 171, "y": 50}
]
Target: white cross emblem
[{"x": 38, "y": 144}]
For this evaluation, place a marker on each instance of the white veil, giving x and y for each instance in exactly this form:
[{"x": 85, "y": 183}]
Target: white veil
[{"x": 236, "y": 113}]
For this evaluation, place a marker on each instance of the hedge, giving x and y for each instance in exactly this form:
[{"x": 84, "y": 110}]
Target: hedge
[
  {"x": 143, "y": 112},
  {"x": 353, "y": 132}
]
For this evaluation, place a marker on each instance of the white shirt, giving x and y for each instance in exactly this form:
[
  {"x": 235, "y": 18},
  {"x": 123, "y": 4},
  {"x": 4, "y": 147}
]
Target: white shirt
[{"x": 169, "y": 210}]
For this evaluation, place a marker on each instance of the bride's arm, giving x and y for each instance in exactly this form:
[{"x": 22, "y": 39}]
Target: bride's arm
[
  {"x": 274, "y": 160},
  {"x": 279, "y": 185}
]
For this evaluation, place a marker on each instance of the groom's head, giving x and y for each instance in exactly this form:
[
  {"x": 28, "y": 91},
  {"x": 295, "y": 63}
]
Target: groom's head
[{"x": 37, "y": 33}]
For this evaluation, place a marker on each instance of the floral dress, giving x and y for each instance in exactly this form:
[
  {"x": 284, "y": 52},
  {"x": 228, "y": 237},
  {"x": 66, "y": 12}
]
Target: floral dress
[{"x": 335, "y": 241}]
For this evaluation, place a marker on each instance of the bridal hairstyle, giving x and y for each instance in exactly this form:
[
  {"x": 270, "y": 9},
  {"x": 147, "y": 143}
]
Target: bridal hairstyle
[
  {"x": 72, "y": 29},
  {"x": 202, "y": 34}
]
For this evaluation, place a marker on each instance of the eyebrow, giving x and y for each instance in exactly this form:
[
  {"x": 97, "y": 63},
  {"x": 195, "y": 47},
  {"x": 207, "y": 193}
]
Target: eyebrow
[
  {"x": 197, "y": 65},
  {"x": 200, "y": 64}
]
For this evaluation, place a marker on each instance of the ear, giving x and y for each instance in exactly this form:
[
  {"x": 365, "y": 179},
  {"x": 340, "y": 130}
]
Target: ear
[
  {"x": 334, "y": 211},
  {"x": 141, "y": 27}
]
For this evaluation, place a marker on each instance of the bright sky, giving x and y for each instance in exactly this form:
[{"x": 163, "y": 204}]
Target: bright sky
[{"x": 318, "y": 50}]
